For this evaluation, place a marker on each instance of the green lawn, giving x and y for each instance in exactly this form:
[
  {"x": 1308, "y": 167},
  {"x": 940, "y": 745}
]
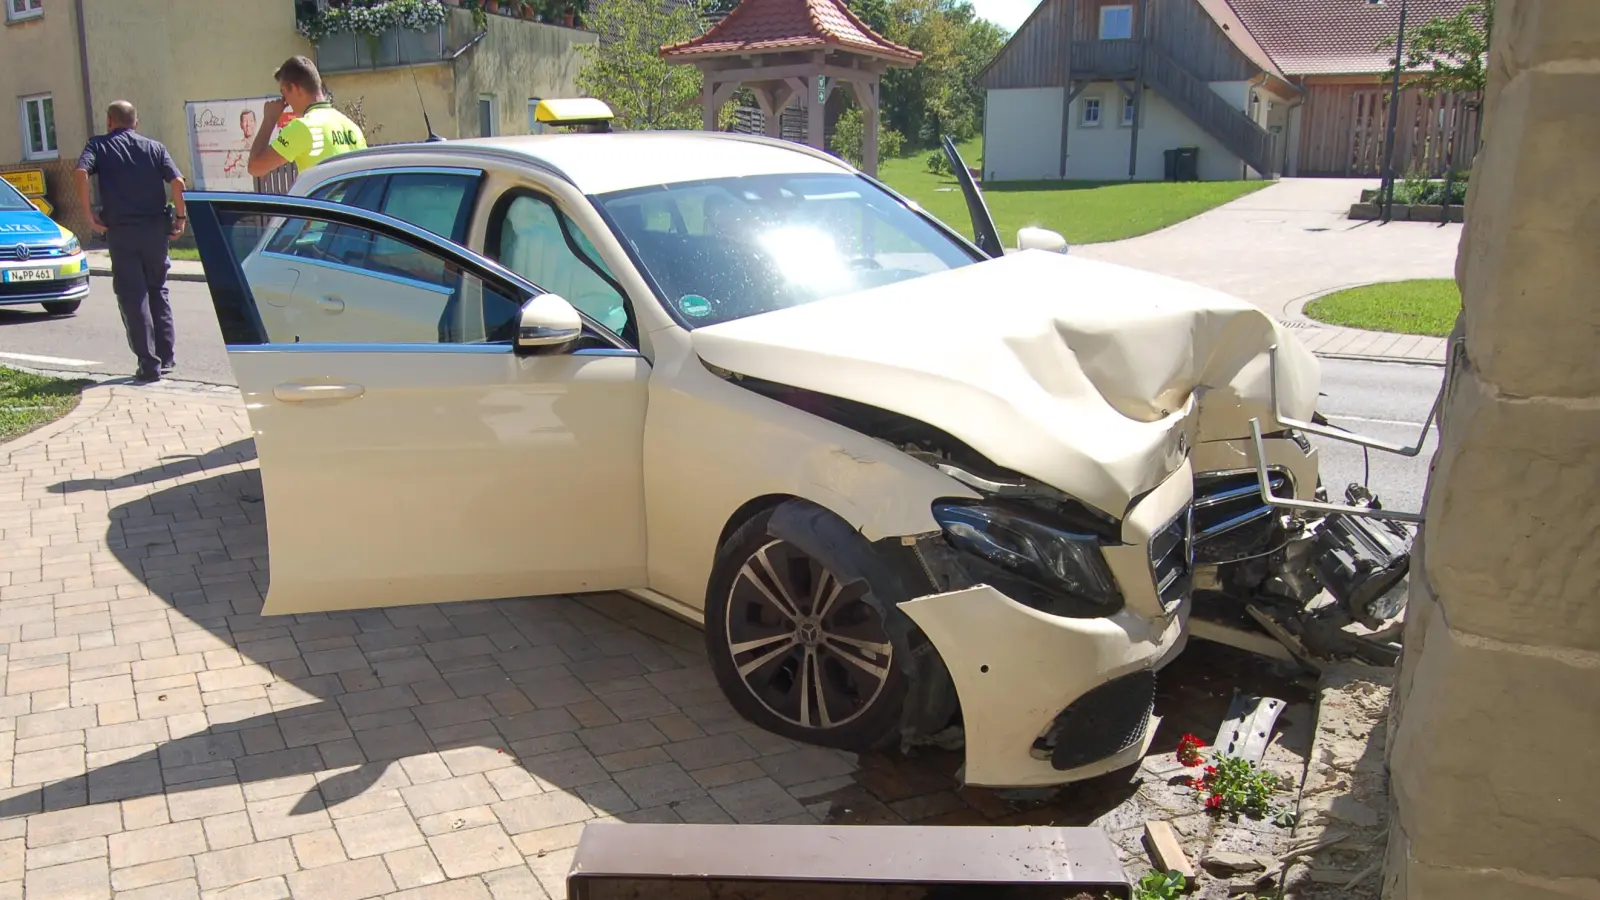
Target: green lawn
[
  {"x": 190, "y": 253},
  {"x": 1085, "y": 212},
  {"x": 1421, "y": 306},
  {"x": 28, "y": 401}
]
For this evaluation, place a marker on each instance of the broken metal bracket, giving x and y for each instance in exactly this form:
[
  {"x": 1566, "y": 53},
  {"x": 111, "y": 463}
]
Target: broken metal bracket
[
  {"x": 1272, "y": 499},
  {"x": 1339, "y": 434},
  {"x": 1248, "y": 728}
]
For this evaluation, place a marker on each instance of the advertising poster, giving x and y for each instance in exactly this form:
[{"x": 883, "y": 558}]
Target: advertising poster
[{"x": 221, "y": 133}]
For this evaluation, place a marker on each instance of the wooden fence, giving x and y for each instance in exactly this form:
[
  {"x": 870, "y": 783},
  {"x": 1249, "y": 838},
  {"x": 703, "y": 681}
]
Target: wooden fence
[{"x": 1343, "y": 126}]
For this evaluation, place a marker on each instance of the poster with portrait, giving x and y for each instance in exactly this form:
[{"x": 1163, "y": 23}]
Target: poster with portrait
[{"x": 220, "y": 135}]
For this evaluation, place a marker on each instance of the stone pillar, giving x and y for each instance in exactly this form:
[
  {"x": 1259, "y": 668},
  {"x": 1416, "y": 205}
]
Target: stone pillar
[{"x": 1496, "y": 719}]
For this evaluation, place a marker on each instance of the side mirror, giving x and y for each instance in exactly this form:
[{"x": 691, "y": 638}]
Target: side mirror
[
  {"x": 547, "y": 322},
  {"x": 1041, "y": 239}
]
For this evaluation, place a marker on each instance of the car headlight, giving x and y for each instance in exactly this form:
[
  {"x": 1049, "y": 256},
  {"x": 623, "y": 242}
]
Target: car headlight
[
  {"x": 1055, "y": 559},
  {"x": 71, "y": 247}
]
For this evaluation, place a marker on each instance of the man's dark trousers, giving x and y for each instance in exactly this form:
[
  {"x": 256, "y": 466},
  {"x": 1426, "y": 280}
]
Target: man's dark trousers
[{"x": 139, "y": 278}]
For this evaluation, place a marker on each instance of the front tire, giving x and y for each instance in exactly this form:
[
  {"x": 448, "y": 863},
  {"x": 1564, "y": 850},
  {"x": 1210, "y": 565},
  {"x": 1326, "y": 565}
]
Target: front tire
[
  {"x": 62, "y": 307},
  {"x": 802, "y": 631}
]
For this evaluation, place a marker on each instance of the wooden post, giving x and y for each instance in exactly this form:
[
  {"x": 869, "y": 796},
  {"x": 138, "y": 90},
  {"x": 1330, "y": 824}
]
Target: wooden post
[
  {"x": 708, "y": 104},
  {"x": 1138, "y": 90},
  {"x": 816, "y": 111},
  {"x": 1067, "y": 94},
  {"x": 867, "y": 95}
]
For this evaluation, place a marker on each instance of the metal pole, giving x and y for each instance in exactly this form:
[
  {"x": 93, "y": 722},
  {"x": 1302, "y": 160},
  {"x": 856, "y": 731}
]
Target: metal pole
[{"x": 1394, "y": 111}]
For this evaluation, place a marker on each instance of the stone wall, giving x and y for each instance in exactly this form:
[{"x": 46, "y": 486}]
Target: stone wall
[{"x": 1496, "y": 733}]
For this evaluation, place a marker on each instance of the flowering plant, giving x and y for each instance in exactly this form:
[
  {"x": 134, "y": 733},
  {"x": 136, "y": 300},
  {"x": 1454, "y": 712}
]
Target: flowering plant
[
  {"x": 372, "y": 18},
  {"x": 1230, "y": 785}
]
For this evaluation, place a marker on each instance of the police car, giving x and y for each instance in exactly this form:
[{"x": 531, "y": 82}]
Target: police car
[{"x": 40, "y": 261}]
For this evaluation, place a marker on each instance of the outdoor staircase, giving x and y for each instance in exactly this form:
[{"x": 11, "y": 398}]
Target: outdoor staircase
[{"x": 1231, "y": 127}]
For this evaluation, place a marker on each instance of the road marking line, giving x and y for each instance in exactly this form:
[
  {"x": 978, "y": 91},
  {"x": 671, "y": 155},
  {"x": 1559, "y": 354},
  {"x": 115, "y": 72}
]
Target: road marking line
[
  {"x": 1375, "y": 421},
  {"x": 49, "y": 360}
]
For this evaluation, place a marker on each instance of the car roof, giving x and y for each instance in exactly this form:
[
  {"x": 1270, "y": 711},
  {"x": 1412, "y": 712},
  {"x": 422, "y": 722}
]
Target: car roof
[{"x": 603, "y": 163}]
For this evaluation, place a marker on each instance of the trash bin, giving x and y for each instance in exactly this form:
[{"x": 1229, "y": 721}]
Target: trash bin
[{"x": 1182, "y": 164}]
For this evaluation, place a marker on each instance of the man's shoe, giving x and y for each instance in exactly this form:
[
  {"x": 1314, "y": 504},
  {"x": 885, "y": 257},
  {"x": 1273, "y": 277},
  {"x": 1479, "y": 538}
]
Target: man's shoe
[
  {"x": 146, "y": 377},
  {"x": 168, "y": 367}
]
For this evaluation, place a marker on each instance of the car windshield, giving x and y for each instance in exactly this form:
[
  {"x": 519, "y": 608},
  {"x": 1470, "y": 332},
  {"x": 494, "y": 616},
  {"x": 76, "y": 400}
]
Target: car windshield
[
  {"x": 11, "y": 200},
  {"x": 728, "y": 248}
]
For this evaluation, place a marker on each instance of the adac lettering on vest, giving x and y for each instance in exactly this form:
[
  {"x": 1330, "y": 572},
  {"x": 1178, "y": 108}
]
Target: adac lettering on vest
[{"x": 344, "y": 138}]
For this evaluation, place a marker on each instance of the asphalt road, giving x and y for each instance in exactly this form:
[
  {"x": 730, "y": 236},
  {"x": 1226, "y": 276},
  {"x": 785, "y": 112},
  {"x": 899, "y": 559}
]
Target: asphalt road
[
  {"x": 1384, "y": 400},
  {"x": 93, "y": 340}
]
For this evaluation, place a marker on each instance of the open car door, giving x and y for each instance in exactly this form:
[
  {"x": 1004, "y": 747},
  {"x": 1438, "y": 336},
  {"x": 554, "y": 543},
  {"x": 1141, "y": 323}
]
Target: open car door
[
  {"x": 414, "y": 453},
  {"x": 984, "y": 232}
]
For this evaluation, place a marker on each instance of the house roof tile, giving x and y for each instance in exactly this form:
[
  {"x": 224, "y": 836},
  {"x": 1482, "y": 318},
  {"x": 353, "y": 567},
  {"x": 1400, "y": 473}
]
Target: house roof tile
[
  {"x": 1333, "y": 37},
  {"x": 767, "y": 26}
]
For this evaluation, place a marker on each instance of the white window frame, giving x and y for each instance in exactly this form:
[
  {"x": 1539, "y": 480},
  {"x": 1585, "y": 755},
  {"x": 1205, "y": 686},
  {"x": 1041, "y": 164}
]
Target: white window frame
[
  {"x": 1122, "y": 6},
  {"x": 1129, "y": 112},
  {"x": 31, "y": 9},
  {"x": 494, "y": 115},
  {"x": 1099, "y": 107},
  {"x": 28, "y": 153}
]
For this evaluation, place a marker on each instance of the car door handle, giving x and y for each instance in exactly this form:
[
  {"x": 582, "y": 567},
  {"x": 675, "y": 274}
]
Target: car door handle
[
  {"x": 300, "y": 393},
  {"x": 330, "y": 304}
]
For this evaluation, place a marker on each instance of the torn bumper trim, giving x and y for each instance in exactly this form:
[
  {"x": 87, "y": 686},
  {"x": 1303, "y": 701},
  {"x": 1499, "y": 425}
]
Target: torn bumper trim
[{"x": 1016, "y": 669}]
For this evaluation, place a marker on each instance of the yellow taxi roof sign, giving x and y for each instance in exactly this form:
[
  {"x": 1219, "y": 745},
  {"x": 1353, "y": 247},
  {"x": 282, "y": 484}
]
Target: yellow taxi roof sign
[{"x": 572, "y": 111}]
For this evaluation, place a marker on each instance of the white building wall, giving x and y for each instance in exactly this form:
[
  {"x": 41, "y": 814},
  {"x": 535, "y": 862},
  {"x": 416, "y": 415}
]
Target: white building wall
[
  {"x": 1022, "y": 134},
  {"x": 1100, "y": 153}
]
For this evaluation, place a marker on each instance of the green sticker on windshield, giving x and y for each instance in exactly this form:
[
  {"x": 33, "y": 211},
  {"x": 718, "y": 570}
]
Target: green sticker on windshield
[{"x": 694, "y": 306}]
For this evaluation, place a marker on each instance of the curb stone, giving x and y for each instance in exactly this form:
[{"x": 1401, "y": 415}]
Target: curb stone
[
  {"x": 89, "y": 406},
  {"x": 1294, "y": 311},
  {"x": 172, "y": 274}
]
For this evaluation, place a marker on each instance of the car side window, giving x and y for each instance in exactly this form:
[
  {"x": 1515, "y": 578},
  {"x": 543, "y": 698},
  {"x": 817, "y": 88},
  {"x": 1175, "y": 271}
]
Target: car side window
[
  {"x": 529, "y": 235},
  {"x": 338, "y": 283}
]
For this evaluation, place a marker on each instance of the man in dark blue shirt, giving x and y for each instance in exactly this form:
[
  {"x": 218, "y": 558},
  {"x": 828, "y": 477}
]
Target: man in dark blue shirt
[{"x": 134, "y": 173}]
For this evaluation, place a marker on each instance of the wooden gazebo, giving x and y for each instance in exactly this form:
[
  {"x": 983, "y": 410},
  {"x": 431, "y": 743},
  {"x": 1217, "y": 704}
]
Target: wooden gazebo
[{"x": 781, "y": 49}]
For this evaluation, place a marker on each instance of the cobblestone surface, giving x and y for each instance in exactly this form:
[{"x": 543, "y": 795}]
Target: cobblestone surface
[{"x": 159, "y": 738}]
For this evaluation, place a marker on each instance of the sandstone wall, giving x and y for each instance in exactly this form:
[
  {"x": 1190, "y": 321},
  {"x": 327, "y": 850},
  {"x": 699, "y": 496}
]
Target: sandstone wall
[{"x": 1496, "y": 718}]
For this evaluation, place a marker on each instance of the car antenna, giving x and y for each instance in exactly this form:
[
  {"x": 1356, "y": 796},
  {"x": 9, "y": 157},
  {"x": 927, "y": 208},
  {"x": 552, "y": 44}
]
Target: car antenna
[{"x": 432, "y": 135}]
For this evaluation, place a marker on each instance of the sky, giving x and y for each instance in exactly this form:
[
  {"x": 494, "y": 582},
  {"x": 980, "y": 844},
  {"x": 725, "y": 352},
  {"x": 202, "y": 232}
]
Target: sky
[{"x": 1008, "y": 14}]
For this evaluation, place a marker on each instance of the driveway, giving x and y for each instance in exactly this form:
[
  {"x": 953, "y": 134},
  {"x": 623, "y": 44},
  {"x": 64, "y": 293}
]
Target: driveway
[
  {"x": 1289, "y": 243},
  {"x": 160, "y": 738}
]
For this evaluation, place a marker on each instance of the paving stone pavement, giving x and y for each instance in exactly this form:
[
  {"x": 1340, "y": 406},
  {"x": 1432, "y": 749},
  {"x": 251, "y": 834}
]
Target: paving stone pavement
[{"x": 159, "y": 738}]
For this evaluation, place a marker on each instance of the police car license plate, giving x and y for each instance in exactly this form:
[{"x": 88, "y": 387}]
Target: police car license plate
[{"x": 15, "y": 275}]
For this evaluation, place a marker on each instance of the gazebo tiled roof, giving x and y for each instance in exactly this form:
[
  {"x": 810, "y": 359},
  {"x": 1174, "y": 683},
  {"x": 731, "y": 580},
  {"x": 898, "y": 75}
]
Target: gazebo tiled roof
[{"x": 773, "y": 26}]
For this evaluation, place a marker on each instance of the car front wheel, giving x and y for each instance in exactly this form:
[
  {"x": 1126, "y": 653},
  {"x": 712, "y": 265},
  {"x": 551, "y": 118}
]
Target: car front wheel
[
  {"x": 802, "y": 632},
  {"x": 63, "y": 307}
]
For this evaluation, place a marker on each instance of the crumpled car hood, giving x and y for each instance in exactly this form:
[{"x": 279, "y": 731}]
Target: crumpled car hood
[{"x": 1079, "y": 373}]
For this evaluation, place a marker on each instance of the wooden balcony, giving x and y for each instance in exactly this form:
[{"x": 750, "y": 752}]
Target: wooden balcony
[{"x": 1105, "y": 59}]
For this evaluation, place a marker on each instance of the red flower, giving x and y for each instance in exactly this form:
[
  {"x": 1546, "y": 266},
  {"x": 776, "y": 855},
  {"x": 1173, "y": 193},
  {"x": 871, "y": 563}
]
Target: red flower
[
  {"x": 1211, "y": 770},
  {"x": 1189, "y": 750},
  {"x": 1214, "y": 801}
]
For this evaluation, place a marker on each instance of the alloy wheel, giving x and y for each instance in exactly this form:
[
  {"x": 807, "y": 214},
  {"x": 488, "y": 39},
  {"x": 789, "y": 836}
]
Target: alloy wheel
[{"x": 811, "y": 650}]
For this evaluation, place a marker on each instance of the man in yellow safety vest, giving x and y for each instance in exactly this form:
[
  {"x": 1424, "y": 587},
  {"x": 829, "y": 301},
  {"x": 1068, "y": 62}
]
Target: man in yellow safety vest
[{"x": 317, "y": 133}]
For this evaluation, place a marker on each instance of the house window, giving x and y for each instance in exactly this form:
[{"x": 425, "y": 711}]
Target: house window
[
  {"x": 39, "y": 127},
  {"x": 17, "y": 10},
  {"x": 1129, "y": 110},
  {"x": 486, "y": 116},
  {"x": 1091, "y": 111},
  {"x": 1116, "y": 23}
]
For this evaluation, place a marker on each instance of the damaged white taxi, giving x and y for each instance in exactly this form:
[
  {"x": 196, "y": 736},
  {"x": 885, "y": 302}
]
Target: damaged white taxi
[{"x": 906, "y": 483}]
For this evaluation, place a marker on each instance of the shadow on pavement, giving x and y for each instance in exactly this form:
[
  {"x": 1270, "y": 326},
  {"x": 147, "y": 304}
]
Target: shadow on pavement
[{"x": 544, "y": 696}]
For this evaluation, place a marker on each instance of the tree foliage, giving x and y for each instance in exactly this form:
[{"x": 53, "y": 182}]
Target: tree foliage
[
  {"x": 849, "y": 135},
  {"x": 1450, "y": 54},
  {"x": 625, "y": 68},
  {"x": 941, "y": 94}
]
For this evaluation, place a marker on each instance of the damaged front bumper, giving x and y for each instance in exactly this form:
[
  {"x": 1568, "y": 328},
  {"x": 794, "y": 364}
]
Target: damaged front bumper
[
  {"x": 1019, "y": 674},
  {"x": 1048, "y": 699}
]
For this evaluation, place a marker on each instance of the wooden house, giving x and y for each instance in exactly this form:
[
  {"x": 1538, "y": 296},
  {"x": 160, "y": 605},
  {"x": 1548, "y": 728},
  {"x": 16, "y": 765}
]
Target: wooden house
[{"x": 1103, "y": 89}]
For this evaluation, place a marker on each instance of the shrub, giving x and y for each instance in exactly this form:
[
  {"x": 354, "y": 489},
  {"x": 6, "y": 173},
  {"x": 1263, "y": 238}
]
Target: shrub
[
  {"x": 939, "y": 164},
  {"x": 849, "y": 132}
]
